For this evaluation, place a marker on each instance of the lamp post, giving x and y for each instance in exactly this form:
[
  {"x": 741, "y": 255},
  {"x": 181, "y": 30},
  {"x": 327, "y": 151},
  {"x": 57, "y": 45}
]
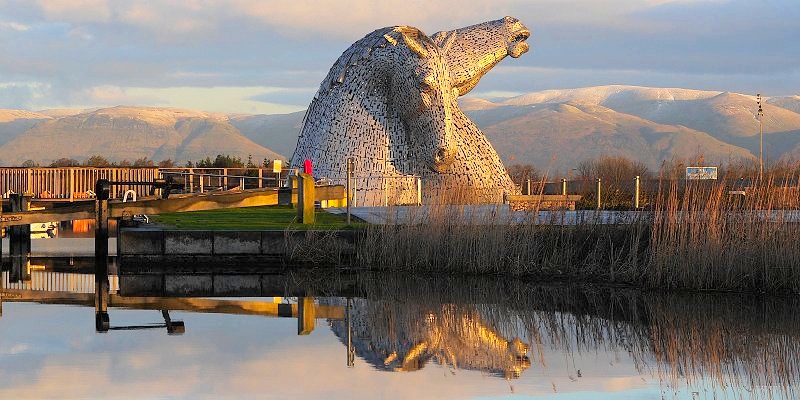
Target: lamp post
[{"x": 760, "y": 138}]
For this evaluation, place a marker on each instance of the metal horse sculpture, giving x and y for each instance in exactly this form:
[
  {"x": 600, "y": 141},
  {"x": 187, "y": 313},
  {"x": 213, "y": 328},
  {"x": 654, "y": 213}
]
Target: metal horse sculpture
[{"x": 390, "y": 103}]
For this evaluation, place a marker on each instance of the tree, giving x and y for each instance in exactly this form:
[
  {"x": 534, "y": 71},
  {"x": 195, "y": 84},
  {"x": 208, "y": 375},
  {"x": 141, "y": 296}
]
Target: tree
[
  {"x": 168, "y": 163},
  {"x": 221, "y": 161},
  {"x": 97, "y": 161},
  {"x": 65, "y": 162},
  {"x": 144, "y": 162},
  {"x": 617, "y": 174},
  {"x": 520, "y": 173},
  {"x": 29, "y": 164}
]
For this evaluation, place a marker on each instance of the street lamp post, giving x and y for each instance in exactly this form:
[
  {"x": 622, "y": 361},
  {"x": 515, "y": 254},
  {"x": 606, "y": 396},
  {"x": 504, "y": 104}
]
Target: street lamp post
[{"x": 760, "y": 138}]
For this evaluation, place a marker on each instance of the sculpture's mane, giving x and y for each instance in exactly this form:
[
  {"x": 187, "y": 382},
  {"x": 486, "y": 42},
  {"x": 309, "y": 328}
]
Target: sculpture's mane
[{"x": 362, "y": 51}]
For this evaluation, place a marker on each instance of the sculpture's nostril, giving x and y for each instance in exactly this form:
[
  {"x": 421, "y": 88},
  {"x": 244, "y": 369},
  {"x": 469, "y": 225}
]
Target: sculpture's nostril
[{"x": 442, "y": 158}]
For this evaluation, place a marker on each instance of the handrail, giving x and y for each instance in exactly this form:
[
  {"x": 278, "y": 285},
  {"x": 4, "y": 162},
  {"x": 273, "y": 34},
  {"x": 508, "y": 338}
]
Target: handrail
[{"x": 216, "y": 175}]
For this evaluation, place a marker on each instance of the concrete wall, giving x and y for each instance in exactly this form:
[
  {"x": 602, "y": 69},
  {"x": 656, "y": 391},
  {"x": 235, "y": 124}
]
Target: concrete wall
[{"x": 219, "y": 262}]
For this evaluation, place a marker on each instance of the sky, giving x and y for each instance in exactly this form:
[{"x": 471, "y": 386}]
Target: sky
[{"x": 268, "y": 56}]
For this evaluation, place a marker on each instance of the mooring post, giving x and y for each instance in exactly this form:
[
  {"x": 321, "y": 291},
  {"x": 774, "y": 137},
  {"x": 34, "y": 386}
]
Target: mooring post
[
  {"x": 598, "y": 193},
  {"x": 1, "y": 237},
  {"x": 636, "y": 198},
  {"x": 351, "y": 354},
  {"x": 528, "y": 187},
  {"x": 563, "y": 187},
  {"x": 305, "y": 198},
  {"x": 348, "y": 186},
  {"x": 305, "y": 315},
  {"x": 19, "y": 239},
  {"x": 102, "y": 191}
]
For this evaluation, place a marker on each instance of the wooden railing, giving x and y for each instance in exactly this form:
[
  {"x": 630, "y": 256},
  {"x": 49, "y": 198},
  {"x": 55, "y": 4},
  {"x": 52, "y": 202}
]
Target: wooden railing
[
  {"x": 58, "y": 282},
  {"x": 70, "y": 183},
  {"x": 77, "y": 183}
]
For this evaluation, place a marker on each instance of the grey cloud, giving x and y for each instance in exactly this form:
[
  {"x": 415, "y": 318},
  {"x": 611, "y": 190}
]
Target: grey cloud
[{"x": 726, "y": 44}]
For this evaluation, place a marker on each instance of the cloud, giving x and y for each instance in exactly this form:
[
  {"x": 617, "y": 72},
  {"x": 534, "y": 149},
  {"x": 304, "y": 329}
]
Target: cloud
[
  {"x": 79, "y": 49},
  {"x": 75, "y": 11},
  {"x": 16, "y": 26}
]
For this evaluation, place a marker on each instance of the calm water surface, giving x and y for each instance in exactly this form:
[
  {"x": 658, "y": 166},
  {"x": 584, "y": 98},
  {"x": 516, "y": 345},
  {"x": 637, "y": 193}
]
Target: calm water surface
[{"x": 388, "y": 336}]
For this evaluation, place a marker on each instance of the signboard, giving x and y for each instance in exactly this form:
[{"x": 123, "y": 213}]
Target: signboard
[
  {"x": 277, "y": 165},
  {"x": 699, "y": 173}
]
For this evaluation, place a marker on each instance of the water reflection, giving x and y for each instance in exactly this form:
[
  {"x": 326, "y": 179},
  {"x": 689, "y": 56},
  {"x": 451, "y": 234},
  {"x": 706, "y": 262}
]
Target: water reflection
[{"x": 538, "y": 339}]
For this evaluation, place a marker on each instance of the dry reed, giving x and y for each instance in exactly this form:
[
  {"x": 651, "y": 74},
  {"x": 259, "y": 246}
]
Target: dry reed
[
  {"x": 695, "y": 237},
  {"x": 720, "y": 343}
]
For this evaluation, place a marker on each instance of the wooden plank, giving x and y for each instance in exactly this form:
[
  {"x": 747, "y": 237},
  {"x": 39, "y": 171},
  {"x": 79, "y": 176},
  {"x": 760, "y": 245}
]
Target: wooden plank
[
  {"x": 332, "y": 192},
  {"x": 78, "y": 211},
  {"x": 200, "y": 305},
  {"x": 196, "y": 202},
  {"x": 544, "y": 197}
]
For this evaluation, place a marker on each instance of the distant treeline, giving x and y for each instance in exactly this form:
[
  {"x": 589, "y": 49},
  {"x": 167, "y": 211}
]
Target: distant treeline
[
  {"x": 618, "y": 178},
  {"x": 220, "y": 161}
]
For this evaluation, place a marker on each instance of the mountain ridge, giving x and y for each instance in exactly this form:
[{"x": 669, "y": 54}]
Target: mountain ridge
[{"x": 550, "y": 128}]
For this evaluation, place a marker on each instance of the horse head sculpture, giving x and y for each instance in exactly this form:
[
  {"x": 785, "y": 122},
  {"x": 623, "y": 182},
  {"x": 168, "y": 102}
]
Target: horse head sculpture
[{"x": 390, "y": 102}]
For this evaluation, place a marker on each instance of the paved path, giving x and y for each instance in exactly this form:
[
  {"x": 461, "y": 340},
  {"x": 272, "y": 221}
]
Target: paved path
[{"x": 483, "y": 214}]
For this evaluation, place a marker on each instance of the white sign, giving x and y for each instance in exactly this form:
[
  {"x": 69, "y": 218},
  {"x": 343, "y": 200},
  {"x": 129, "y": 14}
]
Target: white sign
[{"x": 699, "y": 173}]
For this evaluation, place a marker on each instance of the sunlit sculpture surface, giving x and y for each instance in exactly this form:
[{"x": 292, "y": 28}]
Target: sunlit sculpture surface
[{"x": 390, "y": 103}]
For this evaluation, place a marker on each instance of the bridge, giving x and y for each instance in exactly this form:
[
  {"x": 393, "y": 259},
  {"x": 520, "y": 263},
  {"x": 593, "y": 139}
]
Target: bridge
[
  {"x": 103, "y": 203},
  {"x": 48, "y": 287}
]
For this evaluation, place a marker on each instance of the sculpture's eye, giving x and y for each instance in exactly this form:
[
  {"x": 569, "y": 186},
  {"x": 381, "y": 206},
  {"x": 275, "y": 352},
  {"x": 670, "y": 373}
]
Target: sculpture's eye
[
  {"x": 428, "y": 83},
  {"x": 427, "y": 102}
]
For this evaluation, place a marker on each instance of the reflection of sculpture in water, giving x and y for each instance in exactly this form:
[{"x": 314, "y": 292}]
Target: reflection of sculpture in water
[
  {"x": 451, "y": 335},
  {"x": 390, "y": 102}
]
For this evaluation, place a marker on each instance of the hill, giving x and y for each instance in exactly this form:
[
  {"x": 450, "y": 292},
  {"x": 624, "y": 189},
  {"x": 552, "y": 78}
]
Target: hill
[
  {"x": 126, "y": 133},
  {"x": 553, "y": 129}
]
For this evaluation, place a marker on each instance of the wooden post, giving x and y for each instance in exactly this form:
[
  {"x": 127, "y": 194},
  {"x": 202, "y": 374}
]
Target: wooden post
[
  {"x": 563, "y": 187},
  {"x": 19, "y": 239},
  {"x": 598, "y": 193},
  {"x": 71, "y": 184},
  {"x": 225, "y": 179},
  {"x": 103, "y": 191},
  {"x": 636, "y": 196},
  {"x": 351, "y": 354},
  {"x": 348, "y": 188},
  {"x": 528, "y": 188},
  {"x": 201, "y": 183},
  {"x": 305, "y": 315},
  {"x": 29, "y": 186},
  {"x": 260, "y": 178},
  {"x": 191, "y": 180},
  {"x": 305, "y": 198},
  {"x": 419, "y": 191},
  {"x": 385, "y": 191}
]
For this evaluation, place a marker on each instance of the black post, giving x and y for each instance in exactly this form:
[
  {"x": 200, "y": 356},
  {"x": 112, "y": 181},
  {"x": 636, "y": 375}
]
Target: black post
[
  {"x": 19, "y": 239},
  {"x": 351, "y": 354},
  {"x": 102, "y": 189}
]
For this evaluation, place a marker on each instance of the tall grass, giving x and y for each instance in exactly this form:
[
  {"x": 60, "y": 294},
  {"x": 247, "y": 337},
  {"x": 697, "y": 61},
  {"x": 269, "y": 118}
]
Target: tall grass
[
  {"x": 723, "y": 343},
  {"x": 693, "y": 237}
]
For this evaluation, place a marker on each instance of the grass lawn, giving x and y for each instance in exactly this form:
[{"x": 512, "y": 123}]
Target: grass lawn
[{"x": 250, "y": 218}]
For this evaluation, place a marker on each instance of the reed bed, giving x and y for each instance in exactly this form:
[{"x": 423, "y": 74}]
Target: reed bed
[
  {"x": 717, "y": 344},
  {"x": 697, "y": 237}
]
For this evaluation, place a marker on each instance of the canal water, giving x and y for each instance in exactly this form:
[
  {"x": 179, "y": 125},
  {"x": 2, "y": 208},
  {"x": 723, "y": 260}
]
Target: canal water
[{"x": 380, "y": 335}]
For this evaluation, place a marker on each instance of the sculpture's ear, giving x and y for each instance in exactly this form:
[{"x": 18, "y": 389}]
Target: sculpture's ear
[
  {"x": 414, "y": 39},
  {"x": 444, "y": 40}
]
